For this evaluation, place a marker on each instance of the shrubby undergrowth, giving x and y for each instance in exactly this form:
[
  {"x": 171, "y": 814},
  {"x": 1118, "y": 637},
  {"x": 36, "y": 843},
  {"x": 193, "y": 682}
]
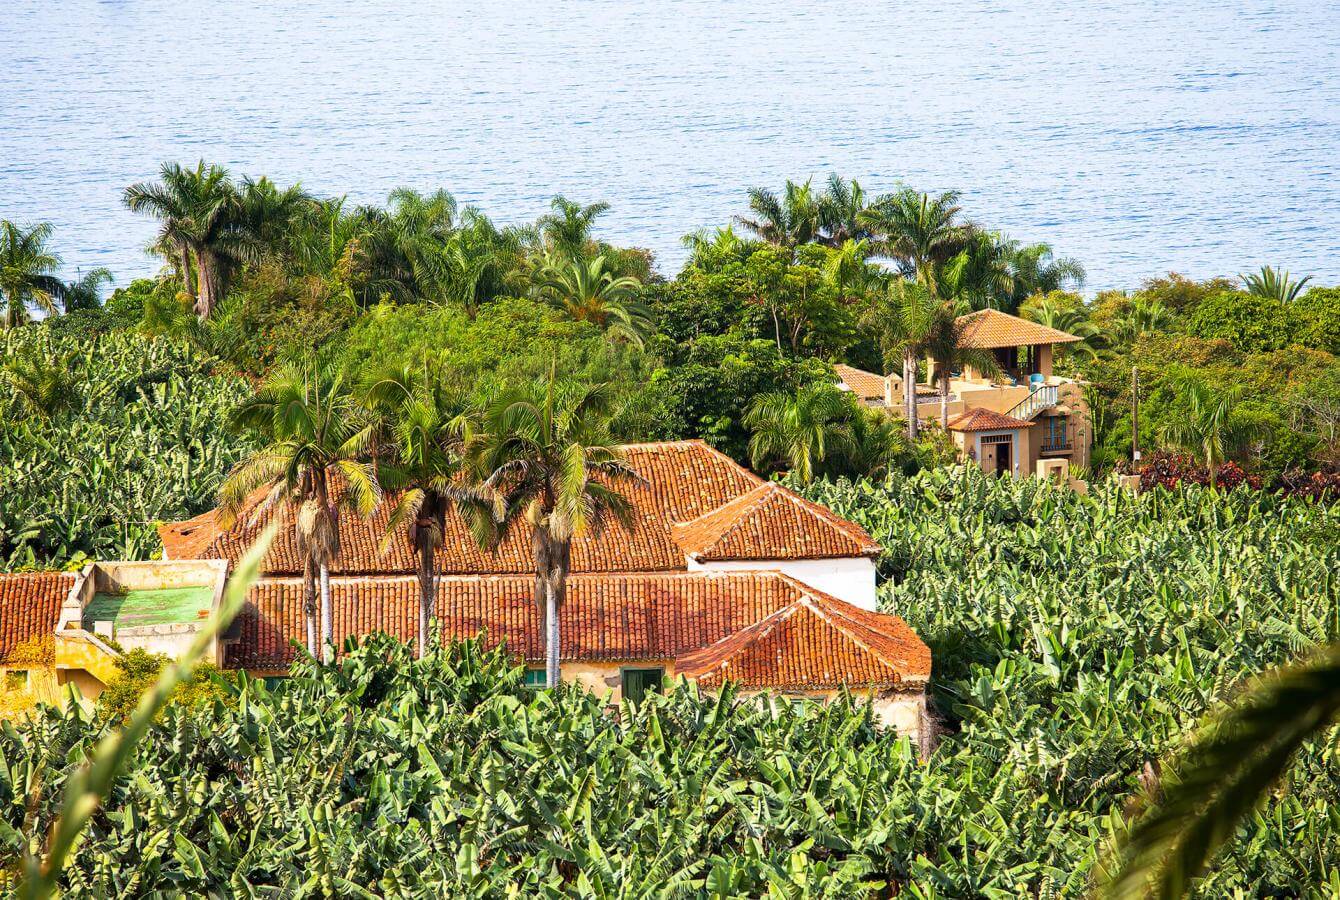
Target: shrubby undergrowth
[{"x": 1076, "y": 640}]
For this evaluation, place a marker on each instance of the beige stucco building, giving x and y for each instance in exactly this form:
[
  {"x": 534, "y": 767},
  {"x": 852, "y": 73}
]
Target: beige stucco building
[{"x": 1022, "y": 421}]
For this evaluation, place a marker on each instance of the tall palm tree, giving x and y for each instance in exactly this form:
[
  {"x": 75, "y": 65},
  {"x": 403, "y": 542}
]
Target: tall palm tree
[
  {"x": 275, "y": 217},
  {"x": 917, "y": 230},
  {"x": 840, "y": 209},
  {"x": 588, "y": 292},
  {"x": 426, "y": 430},
  {"x": 313, "y": 432},
  {"x": 787, "y": 221},
  {"x": 85, "y": 292},
  {"x": 201, "y": 226},
  {"x": 566, "y": 229},
  {"x": 800, "y": 430},
  {"x": 1205, "y": 425},
  {"x": 546, "y": 455},
  {"x": 1274, "y": 284},
  {"x": 1232, "y": 762},
  {"x": 27, "y": 272},
  {"x": 982, "y": 272},
  {"x": 905, "y": 319},
  {"x": 1037, "y": 271}
]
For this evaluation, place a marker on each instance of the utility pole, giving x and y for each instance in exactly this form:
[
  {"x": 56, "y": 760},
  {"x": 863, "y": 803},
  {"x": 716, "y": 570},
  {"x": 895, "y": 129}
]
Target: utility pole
[{"x": 1135, "y": 414}]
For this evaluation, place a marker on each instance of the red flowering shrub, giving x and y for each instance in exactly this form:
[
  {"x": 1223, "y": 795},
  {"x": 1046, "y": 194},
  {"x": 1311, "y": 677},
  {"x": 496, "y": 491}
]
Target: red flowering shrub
[
  {"x": 1315, "y": 485},
  {"x": 1170, "y": 469}
]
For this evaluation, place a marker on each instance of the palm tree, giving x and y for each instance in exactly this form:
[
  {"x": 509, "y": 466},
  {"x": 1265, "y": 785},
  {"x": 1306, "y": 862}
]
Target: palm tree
[
  {"x": 85, "y": 292},
  {"x": 27, "y": 270},
  {"x": 275, "y": 218},
  {"x": 1070, "y": 319},
  {"x": 801, "y": 430},
  {"x": 712, "y": 249},
  {"x": 982, "y": 272},
  {"x": 1205, "y": 425},
  {"x": 840, "y": 210},
  {"x": 946, "y": 348},
  {"x": 1143, "y": 316},
  {"x": 1037, "y": 271},
  {"x": 1232, "y": 762},
  {"x": 1274, "y": 284},
  {"x": 201, "y": 226},
  {"x": 426, "y": 430},
  {"x": 905, "y": 319},
  {"x": 588, "y": 292},
  {"x": 920, "y": 232},
  {"x": 566, "y": 231},
  {"x": 313, "y": 431},
  {"x": 787, "y": 221},
  {"x": 546, "y": 457}
]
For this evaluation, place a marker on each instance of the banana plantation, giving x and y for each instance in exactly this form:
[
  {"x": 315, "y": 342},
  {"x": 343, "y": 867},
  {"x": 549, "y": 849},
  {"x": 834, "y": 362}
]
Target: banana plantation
[
  {"x": 1076, "y": 640},
  {"x": 101, "y": 437}
]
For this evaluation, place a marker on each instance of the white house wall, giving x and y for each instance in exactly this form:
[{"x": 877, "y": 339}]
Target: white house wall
[{"x": 848, "y": 578}]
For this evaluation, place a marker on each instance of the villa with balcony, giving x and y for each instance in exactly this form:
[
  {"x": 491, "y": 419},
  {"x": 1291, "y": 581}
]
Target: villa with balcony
[{"x": 1024, "y": 420}]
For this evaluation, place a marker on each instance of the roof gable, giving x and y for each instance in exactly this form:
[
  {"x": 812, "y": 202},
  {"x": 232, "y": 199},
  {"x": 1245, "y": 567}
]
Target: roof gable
[
  {"x": 988, "y": 329},
  {"x": 771, "y": 522},
  {"x": 982, "y": 419},
  {"x": 817, "y": 641},
  {"x": 866, "y": 385}
]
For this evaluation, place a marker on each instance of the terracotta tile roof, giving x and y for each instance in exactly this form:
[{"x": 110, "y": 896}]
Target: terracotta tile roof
[
  {"x": 30, "y": 605},
  {"x": 817, "y": 641},
  {"x": 987, "y": 329},
  {"x": 866, "y": 385},
  {"x": 685, "y": 480},
  {"x": 606, "y": 616},
  {"x": 771, "y": 522},
  {"x": 981, "y": 419}
]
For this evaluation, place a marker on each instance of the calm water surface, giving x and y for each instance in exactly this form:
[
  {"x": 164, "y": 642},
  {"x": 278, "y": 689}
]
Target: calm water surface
[{"x": 1137, "y": 136}]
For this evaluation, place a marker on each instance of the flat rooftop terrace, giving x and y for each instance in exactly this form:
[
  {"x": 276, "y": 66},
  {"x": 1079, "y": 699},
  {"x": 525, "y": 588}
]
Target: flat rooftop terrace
[{"x": 142, "y": 608}]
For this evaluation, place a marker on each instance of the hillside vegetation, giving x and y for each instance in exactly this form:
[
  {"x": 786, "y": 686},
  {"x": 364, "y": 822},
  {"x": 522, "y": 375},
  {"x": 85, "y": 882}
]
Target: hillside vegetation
[{"x": 1076, "y": 640}]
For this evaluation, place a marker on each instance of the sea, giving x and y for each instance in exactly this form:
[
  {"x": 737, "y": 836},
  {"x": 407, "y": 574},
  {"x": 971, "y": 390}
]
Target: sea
[{"x": 1138, "y": 137}]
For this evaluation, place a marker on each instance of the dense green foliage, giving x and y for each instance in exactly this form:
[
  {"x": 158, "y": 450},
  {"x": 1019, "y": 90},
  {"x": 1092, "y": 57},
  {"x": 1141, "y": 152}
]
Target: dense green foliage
[
  {"x": 103, "y": 435},
  {"x": 1076, "y": 639}
]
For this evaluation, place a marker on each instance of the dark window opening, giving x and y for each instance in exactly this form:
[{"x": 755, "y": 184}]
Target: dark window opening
[{"x": 638, "y": 682}]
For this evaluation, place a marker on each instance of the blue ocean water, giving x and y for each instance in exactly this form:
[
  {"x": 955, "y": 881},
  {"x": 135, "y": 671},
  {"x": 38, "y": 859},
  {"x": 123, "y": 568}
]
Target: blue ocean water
[{"x": 1138, "y": 136}]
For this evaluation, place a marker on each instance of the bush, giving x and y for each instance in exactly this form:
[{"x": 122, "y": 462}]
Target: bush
[
  {"x": 137, "y": 670},
  {"x": 1250, "y": 323},
  {"x": 1172, "y": 470}
]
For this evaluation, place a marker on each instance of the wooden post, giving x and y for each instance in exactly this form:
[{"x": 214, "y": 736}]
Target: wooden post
[{"x": 1135, "y": 414}]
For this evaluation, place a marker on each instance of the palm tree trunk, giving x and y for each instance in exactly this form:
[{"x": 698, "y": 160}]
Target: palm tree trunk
[
  {"x": 184, "y": 268},
  {"x": 211, "y": 283},
  {"x": 910, "y": 393},
  {"x": 327, "y": 627},
  {"x": 551, "y": 647},
  {"x": 309, "y": 604},
  {"x": 426, "y": 594}
]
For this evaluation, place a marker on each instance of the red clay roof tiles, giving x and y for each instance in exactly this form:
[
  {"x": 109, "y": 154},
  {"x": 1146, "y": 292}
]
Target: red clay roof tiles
[
  {"x": 684, "y": 481},
  {"x": 982, "y": 419},
  {"x": 30, "y": 606},
  {"x": 771, "y": 522},
  {"x": 866, "y": 385},
  {"x": 988, "y": 329}
]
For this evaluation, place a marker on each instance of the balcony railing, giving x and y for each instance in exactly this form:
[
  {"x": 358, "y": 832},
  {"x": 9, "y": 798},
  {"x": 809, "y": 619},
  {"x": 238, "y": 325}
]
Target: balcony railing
[{"x": 1041, "y": 397}]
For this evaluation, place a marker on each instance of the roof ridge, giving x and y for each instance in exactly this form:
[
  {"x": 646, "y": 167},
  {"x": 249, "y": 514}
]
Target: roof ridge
[{"x": 822, "y": 606}]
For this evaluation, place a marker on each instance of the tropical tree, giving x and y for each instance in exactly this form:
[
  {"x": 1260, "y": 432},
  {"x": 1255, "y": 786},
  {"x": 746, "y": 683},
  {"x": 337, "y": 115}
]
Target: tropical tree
[
  {"x": 1274, "y": 284},
  {"x": 1143, "y": 316},
  {"x": 1037, "y": 271},
  {"x": 85, "y": 292},
  {"x": 788, "y": 221},
  {"x": 982, "y": 272},
  {"x": 1226, "y": 771},
  {"x": 1205, "y": 425},
  {"x": 587, "y": 291},
  {"x": 840, "y": 209},
  {"x": 1072, "y": 319},
  {"x": 201, "y": 227},
  {"x": 546, "y": 458},
  {"x": 274, "y": 217},
  {"x": 905, "y": 319},
  {"x": 27, "y": 272},
  {"x": 711, "y": 250},
  {"x": 425, "y": 429},
  {"x": 918, "y": 231},
  {"x": 566, "y": 229},
  {"x": 800, "y": 430},
  {"x": 313, "y": 462}
]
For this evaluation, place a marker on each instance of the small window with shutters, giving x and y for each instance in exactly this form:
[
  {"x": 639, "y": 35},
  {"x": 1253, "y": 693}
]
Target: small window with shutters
[
  {"x": 537, "y": 679},
  {"x": 637, "y": 683}
]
